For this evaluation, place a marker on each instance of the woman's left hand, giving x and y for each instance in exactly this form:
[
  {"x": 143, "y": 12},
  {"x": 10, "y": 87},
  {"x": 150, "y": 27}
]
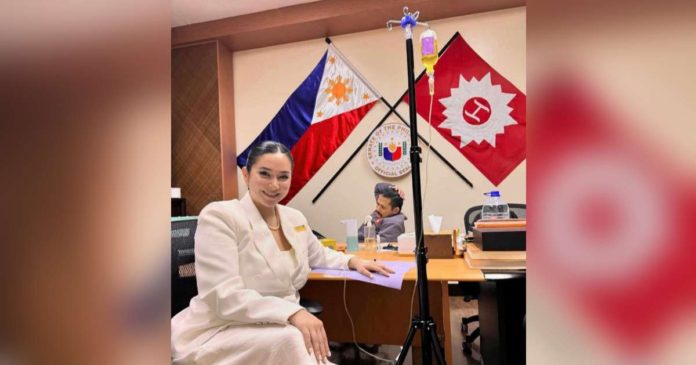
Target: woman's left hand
[{"x": 368, "y": 267}]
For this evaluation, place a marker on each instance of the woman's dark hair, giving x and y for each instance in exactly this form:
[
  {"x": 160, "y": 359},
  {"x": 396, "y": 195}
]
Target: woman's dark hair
[{"x": 267, "y": 147}]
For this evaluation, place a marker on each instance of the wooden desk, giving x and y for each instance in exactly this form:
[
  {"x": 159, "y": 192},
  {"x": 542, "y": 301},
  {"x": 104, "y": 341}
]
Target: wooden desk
[{"x": 382, "y": 315}]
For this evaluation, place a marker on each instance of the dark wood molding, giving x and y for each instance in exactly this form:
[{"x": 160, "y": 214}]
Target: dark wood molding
[
  {"x": 321, "y": 19},
  {"x": 228, "y": 149}
]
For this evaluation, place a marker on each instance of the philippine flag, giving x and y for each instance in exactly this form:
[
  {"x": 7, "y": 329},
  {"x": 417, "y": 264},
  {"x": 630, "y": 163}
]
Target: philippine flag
[{"x": 318, "y": 117}]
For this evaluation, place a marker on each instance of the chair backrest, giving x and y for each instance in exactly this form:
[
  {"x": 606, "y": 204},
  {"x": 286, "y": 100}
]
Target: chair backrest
[
  {"x": 473, "y": 214},
  {"x": 183, "y": 262},
  {"x": 518, "y": 210}
]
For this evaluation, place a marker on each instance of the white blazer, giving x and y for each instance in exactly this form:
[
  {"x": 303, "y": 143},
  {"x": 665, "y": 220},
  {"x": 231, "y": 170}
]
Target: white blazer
[{"x": 241, "y": 278}]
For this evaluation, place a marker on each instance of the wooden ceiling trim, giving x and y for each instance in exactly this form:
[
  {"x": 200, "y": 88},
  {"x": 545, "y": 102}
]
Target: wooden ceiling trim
[{"x": 322, "y": 18}]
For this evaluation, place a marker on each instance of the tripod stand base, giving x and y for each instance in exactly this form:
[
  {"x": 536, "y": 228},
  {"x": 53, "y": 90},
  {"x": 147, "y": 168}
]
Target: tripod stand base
[{"x": 431, "y": 334}]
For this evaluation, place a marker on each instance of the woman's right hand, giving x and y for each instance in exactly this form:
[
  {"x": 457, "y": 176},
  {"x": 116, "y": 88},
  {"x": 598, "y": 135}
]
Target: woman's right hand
[{"x": 313, "y": 332}]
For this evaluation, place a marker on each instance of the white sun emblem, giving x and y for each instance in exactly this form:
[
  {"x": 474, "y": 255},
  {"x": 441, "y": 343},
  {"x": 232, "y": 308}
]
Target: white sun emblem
[{"x": 477, "y": 110}]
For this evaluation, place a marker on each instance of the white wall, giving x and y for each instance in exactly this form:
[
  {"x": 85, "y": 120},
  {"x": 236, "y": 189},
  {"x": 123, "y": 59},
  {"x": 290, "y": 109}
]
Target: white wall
[{"x": 264, "y": 78}]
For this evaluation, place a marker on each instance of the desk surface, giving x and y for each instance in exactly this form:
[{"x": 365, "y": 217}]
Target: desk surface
[{"x": 454, "y": 269}]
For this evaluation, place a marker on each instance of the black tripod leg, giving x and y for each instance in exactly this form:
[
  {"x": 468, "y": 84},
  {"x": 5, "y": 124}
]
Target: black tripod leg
[
  {"x": 435, "y": 342},
  {"x": 425, "y": 342},
  {"x": 407, "y": 344}
]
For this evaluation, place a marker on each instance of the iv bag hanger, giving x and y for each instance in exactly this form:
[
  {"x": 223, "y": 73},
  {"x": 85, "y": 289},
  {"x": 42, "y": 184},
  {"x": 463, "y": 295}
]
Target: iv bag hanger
[{"x": 423, "y": 322}]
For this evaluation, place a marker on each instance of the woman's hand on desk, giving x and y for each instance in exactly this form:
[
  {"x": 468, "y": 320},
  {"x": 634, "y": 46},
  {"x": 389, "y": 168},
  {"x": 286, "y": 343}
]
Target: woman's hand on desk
[
  {"x": 313, "y": 332},
  {"x": 368, "y": 267}
]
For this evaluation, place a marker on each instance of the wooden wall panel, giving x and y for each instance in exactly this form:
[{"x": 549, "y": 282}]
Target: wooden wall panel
[{"x": 196, "y": 151}]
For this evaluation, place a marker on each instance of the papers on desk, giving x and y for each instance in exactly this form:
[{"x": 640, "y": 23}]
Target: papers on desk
[{"x": 394, "y": 280}]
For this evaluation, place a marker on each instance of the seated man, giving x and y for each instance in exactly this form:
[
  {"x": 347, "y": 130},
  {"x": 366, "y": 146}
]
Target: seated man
[{"x": 387, "y": 217}]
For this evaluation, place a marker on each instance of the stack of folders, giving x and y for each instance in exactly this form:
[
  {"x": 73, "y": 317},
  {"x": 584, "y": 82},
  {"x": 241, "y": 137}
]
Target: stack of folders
[
  {"x": 478, "y": 259},
  {"x": 498, "y": 245}
]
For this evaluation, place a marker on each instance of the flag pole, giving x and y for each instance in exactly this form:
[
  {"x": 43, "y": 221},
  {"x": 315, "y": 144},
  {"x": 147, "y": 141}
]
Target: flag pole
[
  {"x": 424, "y": 322},
  {"x": 355, "y": 152},
  {"x": 435, "y": 151},
  {"x": 392, "y": 109}
]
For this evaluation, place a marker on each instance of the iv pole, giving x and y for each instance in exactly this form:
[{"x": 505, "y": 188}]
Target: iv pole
[{"x": 425, "y": 323}]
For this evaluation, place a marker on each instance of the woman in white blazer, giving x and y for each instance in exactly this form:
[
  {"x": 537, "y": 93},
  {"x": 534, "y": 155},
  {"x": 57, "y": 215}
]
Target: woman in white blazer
[{"x": 252, "y": 257}]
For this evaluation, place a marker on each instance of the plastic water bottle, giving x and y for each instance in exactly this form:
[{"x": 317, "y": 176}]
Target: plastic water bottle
[
  {"x": 495, "y": 207},
  {"x": 369, "y": 234}
]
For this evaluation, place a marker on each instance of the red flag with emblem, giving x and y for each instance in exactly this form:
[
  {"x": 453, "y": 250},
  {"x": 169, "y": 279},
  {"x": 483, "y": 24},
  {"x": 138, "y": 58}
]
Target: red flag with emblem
[{"x": 477, "y": 110}]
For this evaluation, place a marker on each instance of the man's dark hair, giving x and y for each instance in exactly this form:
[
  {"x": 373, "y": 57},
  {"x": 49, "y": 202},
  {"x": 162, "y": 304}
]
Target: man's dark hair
[
  {"x": 391, "y": 194},
  {"x": 267, "y": 147}
]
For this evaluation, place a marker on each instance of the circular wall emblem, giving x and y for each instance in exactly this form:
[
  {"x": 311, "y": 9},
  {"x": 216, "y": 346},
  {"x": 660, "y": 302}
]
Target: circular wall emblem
[{"x": 387, "y": 150}]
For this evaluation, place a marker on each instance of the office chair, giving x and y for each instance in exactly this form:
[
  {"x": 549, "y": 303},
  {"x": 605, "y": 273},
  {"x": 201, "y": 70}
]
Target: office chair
[
  {"x": 183, "y": 262},
  {"x": 472, "y": 215},
  {"x": 183, "y": 268}
]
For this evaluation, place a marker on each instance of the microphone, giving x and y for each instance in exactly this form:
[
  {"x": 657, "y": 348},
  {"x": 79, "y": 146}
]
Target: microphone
[{"x": 429, "y": 50}]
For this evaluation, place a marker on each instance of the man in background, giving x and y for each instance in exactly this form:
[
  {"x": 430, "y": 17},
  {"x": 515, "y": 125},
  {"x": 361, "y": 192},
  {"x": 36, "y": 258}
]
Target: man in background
[{"x": 387, "y": 217}]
